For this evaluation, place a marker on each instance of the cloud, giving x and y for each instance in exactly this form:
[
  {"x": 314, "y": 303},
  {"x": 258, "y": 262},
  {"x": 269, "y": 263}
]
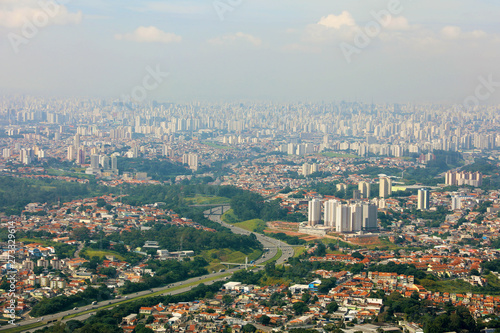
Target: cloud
[
  {"x": 173, "y": 8},
  {"x": 149, "y": 35},
  {"x": 336, "y": 22},
  {"x": 232, "y": 38},
  {"x": 15, "y": 13},
  {"x": 453, "y": 32}
]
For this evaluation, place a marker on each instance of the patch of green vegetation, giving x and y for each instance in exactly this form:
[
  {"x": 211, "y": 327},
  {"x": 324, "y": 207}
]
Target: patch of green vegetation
[
  {"x": 217, "y": 146},
  {"x": 256, "y": 225},
  {"x": 230, "y": 217},
  {"x": 383, "y": 244},
  {"x": 216, "y": 256},
  {"x": 98, "y": 253},
  {"x": 25, "y": 328},
  {"x": 298, "y": 250},
  {"x": 447, "y": 286},
  {"x": 330, "y": 154},
  {"x": 207, "y": 200}
]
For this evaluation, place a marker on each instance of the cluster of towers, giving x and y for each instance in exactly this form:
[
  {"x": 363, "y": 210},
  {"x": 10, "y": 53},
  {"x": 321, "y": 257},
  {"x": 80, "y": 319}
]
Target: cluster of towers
[
  {"x": 358, "y": 216},
  {"x": 464, "y": 178}
]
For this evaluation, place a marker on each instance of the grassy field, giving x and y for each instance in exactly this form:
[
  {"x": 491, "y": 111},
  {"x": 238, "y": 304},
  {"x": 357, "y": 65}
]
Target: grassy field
[
  {"x": 229, "y": 217},
  {"x": 207, "y": 200},
  {"x": 447, "y": 286},
  {"x": 298, "y": 251},
  {"x": 34, "y": 240},
  {"x": 215, "y": 257},
  {"x": 252, "y": 225},
  {"x": 97, "y": 253},
  {"x": 383, "y": 243},
  {"x": 330, "y": 154}
]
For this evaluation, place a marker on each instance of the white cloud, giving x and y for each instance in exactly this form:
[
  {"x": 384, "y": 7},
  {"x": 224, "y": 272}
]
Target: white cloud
[
  {"x": 454, "y": 32},
  {"x": 149, "y": 35},
  {"x": 16, "y": 13},
  {"x": 231, "y": 38},
  {"x": 336, "y": 22},
  {"x": 398, "y": 23},
  {"x": 183, "y": 7}
]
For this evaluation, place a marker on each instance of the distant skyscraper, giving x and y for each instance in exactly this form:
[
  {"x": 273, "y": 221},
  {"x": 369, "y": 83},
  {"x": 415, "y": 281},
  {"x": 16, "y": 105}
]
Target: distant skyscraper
[
  {"x": 306, "y": 169},
  {"x": 191, "y": 160},
  {"x": 364, "y": 189},
  {"x": 356, "y": 195},
  {"x": 94, "y": 161},
  {"x": 331, "y": 213},
  {"x": 356, "y": 217},
  {"x": 71, "y": 153},
  {"x": 114, "y": 163},
  {"x": 106, "y": 163},
  {"x": 343, "y": 218},
  {"x": 76, "y": 141},
  {"x": 423, "y": 199},
  {"x": 314, "y": 212},
  {"x": 456, "y": 203},
  {"x": 369, "y": 217},
  {"x": 385, "y": 187},
  {"x": 80, "y": 156}
]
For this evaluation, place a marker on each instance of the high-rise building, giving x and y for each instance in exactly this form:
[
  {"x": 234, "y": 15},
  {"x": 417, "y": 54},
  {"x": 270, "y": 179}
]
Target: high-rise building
[
  {"x": 106, "y": 163},
  {"x": 343, "y": 218},
  {"x": 423, "y": 199},
  {"x": 306, "y": 169},
  {"x": 369, "y": 217},
  {"x": 94, "y": 161},
  {"x": 314, "y": 212},
  {"x": 191, "y": 160},
  {"x": 114, "y": 163},
  {"x": 456, "y": 203},
  {"x": 80, "y": 156},
  {"x": 71, "y": 153},
  {"x": 385, "y": 187},
  {"x": 356, "y": 195},
  {"x": 464, "y": 178},
  {"x": 330, "y": 213},
  {"x": 356, "y": 217},
  {"x": 364, "y": 189},
  {"x": 76, "y": 141},
  {"x": 6, "y": 153}
]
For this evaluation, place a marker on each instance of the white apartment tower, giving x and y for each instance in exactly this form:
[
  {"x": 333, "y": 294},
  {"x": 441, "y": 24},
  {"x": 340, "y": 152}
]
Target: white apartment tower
[
  {"x": 385, "y": 189},
  {"x": 314, "y": 212}
]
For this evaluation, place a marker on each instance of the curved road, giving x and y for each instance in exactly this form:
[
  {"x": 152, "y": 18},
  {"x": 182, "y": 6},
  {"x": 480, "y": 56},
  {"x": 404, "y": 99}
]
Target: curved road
[{"x": 268, "y": 242}]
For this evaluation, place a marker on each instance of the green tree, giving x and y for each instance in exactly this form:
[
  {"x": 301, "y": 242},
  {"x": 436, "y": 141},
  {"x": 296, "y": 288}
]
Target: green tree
[
  {"x": 249, "y": 328},
  {"x": 332, "y": 307},
  {"x": 300, "y": 308}
]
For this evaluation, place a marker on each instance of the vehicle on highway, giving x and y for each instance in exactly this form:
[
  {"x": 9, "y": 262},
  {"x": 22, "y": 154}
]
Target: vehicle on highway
[
  {"x": 74, "y": 309},
  {"x": 94, "y": 302}
]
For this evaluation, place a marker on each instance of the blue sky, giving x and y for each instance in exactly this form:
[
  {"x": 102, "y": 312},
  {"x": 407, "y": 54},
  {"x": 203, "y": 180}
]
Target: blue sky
[{"x": 293, "y": 50}]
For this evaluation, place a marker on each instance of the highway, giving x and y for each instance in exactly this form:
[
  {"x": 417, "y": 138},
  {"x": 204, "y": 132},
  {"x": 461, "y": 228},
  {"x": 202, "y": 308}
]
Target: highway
[
  {"x": 268, "y": 242},
  {"x": 272, "y": 244}
]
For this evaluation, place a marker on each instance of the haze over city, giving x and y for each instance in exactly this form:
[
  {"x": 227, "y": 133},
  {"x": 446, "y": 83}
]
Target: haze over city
[{"x": 223, "y": 50}]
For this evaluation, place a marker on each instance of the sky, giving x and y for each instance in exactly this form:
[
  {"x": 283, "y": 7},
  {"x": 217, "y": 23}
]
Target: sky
[{"x": 392, "y": 51}]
